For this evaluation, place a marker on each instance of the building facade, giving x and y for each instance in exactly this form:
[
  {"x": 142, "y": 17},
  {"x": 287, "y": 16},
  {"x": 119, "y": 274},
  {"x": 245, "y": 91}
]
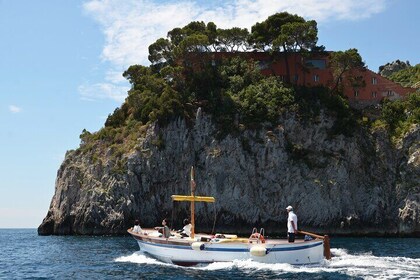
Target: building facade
[{"x": 361, "y": 86}]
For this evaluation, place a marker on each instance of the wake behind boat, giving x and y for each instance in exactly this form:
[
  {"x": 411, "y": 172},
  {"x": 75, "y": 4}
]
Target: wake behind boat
[{"x": 207, "y": 248}]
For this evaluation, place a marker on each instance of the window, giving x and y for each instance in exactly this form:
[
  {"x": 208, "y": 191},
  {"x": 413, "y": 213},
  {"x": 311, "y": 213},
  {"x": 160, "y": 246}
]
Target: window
[
  {"x": 340, "y": 79},
  {"x": 296, "y": 78},
  {"x": 315, "y": 63},
  {"x": 389, "y": 93},
  {"x": 316, "y": 78},
  {"x": 374, "y": 81},
  {"x": 374, "y": 94},
  {"x": 356, "y": 93},
  {"x": 262, "y": 64}
]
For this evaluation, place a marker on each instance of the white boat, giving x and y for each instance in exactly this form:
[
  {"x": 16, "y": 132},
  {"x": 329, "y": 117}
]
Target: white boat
[{"x": 206, "y": 248}]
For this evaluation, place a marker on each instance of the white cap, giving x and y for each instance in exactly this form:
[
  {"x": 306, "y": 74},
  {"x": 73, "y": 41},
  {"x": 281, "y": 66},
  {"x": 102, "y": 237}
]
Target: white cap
[{"x": 289, "y": 208}]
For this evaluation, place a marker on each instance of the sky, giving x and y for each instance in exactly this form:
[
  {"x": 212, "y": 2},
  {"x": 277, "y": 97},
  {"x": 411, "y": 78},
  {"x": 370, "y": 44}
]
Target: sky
[{"x": 61, "y": 65}]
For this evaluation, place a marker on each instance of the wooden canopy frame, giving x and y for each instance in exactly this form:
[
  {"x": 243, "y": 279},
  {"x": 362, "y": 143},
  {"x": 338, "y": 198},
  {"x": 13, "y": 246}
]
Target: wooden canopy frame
[{"x": 193, "y": 198}]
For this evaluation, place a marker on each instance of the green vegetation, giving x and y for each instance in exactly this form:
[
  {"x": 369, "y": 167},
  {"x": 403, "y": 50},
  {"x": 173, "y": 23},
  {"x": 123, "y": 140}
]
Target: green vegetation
[
  {"x": 408, "y": 77},
  {"x": 183, "y": 74},
  {"x": 342, "y": 62},
  {"x": 310, "y": 101},
  {"x": 402, "y": 72},
  {"x": 285, "y": 32},
  {"x": 186, "y": 74},
  {"x": 400, "y": 115}
]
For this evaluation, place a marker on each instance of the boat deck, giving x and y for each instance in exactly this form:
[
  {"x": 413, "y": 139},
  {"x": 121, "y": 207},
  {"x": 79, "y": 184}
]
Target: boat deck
[{"x": 153, "y": 235}]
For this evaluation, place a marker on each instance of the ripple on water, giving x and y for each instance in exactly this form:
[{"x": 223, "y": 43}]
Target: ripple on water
[{"x": 24, "y": 254}]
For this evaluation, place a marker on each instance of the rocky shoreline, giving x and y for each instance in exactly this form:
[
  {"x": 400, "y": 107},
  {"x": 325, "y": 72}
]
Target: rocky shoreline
[{"x": 361, "y": 185}]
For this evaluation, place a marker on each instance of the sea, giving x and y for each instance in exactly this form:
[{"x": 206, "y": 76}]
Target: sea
[{"x": 25, "y": 255}]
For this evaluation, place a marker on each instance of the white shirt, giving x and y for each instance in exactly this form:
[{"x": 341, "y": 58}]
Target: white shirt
[
  {"x": 292, "y": 217},
  {"x": 187, "y": 229},
  {"x": 137, "y": 228}
]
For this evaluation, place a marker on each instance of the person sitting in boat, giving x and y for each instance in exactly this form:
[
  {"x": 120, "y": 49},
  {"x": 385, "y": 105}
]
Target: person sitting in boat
[
  {"x": 291, "y": 224},
  {"x": 137, "y": 228},
  {"x": 186, "y": 230},
  {"x": 164, "y": 229}
]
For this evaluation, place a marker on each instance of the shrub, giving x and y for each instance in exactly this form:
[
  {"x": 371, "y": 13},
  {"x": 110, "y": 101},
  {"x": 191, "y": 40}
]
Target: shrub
[{"x": 400, "y": 115}]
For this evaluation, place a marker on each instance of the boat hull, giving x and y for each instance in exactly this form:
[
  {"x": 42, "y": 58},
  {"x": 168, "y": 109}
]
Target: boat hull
[{"x": 194, "y": 252}]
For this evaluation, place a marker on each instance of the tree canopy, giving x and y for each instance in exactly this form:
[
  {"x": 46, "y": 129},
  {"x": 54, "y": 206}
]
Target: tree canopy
[
  {"x": 279, "y": 32},
  {"x": 408, "y": 77},
  {"x": 342, "y": 62},
  {"x": 284, "y": 32},
  {"x": 233, "y": 89}
]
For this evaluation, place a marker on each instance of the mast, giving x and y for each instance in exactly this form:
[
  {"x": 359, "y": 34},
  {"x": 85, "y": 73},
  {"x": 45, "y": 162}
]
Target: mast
[
  {"x": 192, "y": 182},
  {"x": 192, "y": 198}
]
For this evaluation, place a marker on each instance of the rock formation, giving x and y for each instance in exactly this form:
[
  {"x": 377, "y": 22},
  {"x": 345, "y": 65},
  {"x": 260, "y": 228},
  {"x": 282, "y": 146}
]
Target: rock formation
[
  {"x": 393, "y": 67},
  {"x": 356, "y": 185}
]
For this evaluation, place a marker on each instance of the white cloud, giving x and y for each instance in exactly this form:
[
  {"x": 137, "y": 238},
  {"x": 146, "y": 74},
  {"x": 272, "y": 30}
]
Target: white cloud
[
  {"x": 91, "y": 92},
  {"x": 15, "y": 109},
  {"x": 115, "y": 76},
  {"x": 130, "y": 26}
]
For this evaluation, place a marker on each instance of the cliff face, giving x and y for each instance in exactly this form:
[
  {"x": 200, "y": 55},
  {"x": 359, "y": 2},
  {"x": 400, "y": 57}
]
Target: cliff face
[{"x": 343, "y": 185}]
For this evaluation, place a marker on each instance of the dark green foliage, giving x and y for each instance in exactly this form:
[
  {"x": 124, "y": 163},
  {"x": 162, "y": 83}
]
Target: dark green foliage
[
  {"x": 231, "y": 90},
  {"x": 233, "y": 40},
  {"x": 399, "y": 115},
  {"x": 185, "y": 75},
  {"x": 136, "y": 74},
  {"x": 119, "y": 116},
  {"x": 105, "y": 134},
  {"x": 249, "y": 95},
  {"x": 264, "y": 100},
  {"x": 408, "y": 77},
  {"x": 393, "y": 113},
  {"x": 297, "y": 36},
  {"x": 234, "y": 91},
  {"x": 284, "y": 32},
  {"x": 151, "y": 96},
  {"x": 343, "y": 62},
  {"x": 85, "y": 136},
  {"x": 265, "y": 33},
  {"x": 310, "y": 101},
  {"x": 169, "y": 105},
  {"x": 346, "y": 121},
  {"x": 161, "y": 53}
]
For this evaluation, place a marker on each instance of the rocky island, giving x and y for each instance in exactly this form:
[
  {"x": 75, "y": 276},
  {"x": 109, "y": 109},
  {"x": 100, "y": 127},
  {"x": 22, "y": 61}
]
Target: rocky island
[{"x": 258, "y": 143}]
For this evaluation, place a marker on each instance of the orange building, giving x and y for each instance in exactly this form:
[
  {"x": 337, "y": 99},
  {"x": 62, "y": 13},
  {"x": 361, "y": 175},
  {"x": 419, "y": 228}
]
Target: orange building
[{"x": 313, "y": 69}]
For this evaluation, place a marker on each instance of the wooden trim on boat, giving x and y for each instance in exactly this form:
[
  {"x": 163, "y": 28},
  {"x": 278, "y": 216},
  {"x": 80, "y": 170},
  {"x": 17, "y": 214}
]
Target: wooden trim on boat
[
  {"x": 327, "y": 248},
  {"x": 311, "y": 234}
]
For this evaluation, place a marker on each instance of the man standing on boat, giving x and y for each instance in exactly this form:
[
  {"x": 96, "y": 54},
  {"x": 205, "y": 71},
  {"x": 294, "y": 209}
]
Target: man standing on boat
[{"x": 291, "y": 224}]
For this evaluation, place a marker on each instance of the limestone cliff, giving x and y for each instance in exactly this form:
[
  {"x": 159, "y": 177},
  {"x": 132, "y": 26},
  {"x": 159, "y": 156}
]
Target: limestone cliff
[{"x": 341, "y": 185}]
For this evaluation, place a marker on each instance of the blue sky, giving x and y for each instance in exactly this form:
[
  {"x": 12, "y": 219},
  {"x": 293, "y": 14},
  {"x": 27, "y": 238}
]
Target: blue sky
[{"x": 61, "y": 65}]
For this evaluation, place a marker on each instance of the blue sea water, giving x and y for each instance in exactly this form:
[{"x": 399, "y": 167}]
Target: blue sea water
[{"x": 25, "y": 255}]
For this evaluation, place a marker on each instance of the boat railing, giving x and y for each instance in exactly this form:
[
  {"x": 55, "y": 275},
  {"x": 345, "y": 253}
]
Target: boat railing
[
  {"x": 325, "y": 238},
  {"x": 257, "y": 237}
]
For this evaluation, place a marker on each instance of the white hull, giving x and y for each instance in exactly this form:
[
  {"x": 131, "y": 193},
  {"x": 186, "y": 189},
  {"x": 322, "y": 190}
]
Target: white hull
[{"x": 180, "y": 251}]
